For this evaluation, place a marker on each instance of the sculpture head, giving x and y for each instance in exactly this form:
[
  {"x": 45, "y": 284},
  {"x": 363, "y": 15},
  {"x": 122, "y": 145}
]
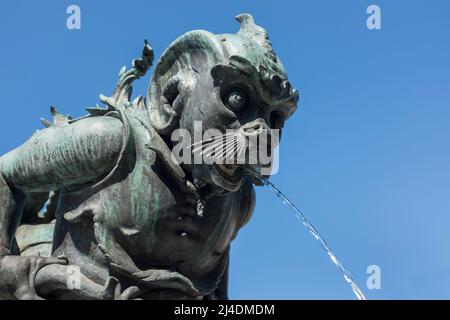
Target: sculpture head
[{"x": 229, "y": 81}]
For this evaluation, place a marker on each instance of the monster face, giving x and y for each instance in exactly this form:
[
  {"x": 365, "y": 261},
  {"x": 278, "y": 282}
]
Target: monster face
[{"x": 236, "y": 88}]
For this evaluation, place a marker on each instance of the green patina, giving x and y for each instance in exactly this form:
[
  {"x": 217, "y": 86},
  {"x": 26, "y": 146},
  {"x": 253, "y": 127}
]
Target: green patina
[{"x": 102, "y": 171}]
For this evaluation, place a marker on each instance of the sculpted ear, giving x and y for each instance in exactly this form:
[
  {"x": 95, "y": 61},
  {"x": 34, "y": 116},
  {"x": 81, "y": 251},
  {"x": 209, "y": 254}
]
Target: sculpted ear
[
  {"x": 188, "y": 58},
  {"x": 170, "y": 102}
]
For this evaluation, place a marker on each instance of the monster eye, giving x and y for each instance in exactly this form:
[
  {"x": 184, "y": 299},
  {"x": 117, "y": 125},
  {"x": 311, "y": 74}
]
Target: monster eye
[{"x": 235, "y": 99}]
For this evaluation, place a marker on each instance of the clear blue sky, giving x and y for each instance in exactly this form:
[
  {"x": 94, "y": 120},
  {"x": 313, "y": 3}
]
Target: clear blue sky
[{"x": 366, "y": 156}]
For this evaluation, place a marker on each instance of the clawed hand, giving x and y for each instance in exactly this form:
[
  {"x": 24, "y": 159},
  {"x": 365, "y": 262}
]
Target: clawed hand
[
  {"x": 55, "y": 278},
  {"x": 113, "y": 291},
  {"x": 18, "y": 273}
]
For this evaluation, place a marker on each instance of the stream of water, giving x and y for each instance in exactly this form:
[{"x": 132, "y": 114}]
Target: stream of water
[{"x": 336, "y": 261}]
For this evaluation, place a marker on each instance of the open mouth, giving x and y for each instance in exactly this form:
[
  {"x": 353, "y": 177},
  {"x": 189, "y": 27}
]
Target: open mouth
[
  {"x": 228, "y": 169},
  {"x": 229, "y": 176}
]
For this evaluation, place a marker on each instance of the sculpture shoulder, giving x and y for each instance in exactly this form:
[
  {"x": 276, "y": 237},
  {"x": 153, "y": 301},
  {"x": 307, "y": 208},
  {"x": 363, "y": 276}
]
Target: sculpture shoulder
[
  {"x": 65, "y": 155},
  {"x": 101, "y": 126}
]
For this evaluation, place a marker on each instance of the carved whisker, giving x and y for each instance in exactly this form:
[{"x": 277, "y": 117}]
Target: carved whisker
[
  {"x": 226, "y": 148},
  {"x": 225, "y": 153},
  {"x": 218, "y": 152},
  {"x": 228, "y": 139},
  {"x": 201, "y": 142},
  {"x": 208, "y": 145},
  {"x": 241, "y": 146},
  {"x": 209, "y": 140},
  {"x": 211, "y": 146},
  {"x": 222, "y": 155}
]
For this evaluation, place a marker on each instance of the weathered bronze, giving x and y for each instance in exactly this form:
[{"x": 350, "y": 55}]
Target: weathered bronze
[{"x": 136, "y": 224}]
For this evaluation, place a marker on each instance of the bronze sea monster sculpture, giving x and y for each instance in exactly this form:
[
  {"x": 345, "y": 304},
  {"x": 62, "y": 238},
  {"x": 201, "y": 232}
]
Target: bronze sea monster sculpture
[{"x": 97, "y": 208}]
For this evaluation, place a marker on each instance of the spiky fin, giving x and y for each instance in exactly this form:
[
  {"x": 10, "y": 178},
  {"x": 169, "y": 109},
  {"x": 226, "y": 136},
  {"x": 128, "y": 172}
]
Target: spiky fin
[
  {"x": 120, "y": 98},
  {"x": 58, "y": 119},
  {"x": 251, "y": 30}
]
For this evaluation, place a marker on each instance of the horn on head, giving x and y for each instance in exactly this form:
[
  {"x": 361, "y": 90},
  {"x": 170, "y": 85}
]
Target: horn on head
[{"x": 252, "y": 31}]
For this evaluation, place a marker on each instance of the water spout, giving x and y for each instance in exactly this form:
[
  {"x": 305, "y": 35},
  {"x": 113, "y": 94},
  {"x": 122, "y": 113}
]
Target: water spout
[{"x": 336, "y": 261}]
